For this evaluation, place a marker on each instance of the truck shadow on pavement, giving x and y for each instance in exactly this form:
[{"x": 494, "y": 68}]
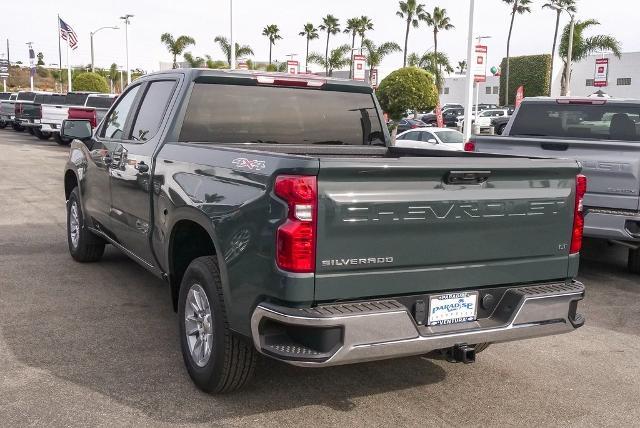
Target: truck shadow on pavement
[{"x": 109, "y": 327}]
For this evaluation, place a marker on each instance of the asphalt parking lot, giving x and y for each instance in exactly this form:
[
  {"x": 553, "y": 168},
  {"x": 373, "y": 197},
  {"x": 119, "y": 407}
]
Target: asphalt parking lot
[{"x": 96, "y": 344}]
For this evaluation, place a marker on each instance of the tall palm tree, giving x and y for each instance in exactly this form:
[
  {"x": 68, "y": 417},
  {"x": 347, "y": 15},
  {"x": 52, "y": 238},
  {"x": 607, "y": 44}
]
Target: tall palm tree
[
  {"x": 353, "y": 26},
  {"x": 194, "y": 62},
  {"x": 584, "y": 46},
  {"x": 377, "y": 53},
  {"x": 462, "y": 66},
  {"x": 557, "y": 5},
  {"x": 176, "y": 46},
  {"x": 413, "y": 13},
  {"x": 272, "y": 32},
  {"x": 309, "y": 32},
  {"x": 440, "y": 22},
  {"x": 366, "y": 24},
  {"x": 432, "y": 62},
  {"x": 331, "y": 25},
  {"x": 338, "y": 58},
  {"x": 225, "y": 47},
  {"x": 520, "y": 7}
]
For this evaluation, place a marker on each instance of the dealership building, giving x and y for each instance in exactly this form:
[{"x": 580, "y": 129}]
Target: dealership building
[{"x": 623, "y": 80}]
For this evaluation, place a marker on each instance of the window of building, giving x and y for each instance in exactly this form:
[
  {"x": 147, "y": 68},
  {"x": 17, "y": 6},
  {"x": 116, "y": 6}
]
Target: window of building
[
  {"x": 496, "y": 90},
  {"x": 488, "y": 90},
  {"x": 589, "y": 82},
  {"x": 446, "y": 91},
  {"x": 624, "y": 81}
]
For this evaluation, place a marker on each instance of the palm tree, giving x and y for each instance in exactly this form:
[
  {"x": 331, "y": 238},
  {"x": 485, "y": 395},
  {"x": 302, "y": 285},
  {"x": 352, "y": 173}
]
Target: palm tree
[
  {"x": 225, "y": 47},
  {"x": 309, "y": 32},
  {"x": 331, "y": 25},
  {"x": 338, "y": 58},
  {"x": 432, "y": 62},
  {"x": 353, "y": 26},
  {"x": 176, "y": 46},
  {"x": 440, "y": 22},
  {"x": 584, "y": 46},
  {"x": 520, "y": 7},
  {"x": 377, "y": 53},
  {"x": 462, "y": 66},
  {"x": 273, "y": 33},
  {"x": 194, "y": 62},
  {"x": 365, "y": 25},
  {"x": 413, "y": 13},
  {"x": 558, "y": 5}
]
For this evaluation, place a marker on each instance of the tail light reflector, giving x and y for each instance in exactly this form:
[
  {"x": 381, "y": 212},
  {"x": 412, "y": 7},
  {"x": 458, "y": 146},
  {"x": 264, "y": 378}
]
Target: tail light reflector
[
  {"x": 578, "y": 216},
  {"x": 296, "y": 238},
  {"x": 470, "y": 146}
]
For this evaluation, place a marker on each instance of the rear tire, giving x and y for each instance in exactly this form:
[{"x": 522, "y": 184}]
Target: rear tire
[
  {"x": 84, "y": 246},
  {"x": 41, "y": 135},
  {"x": 217, "y": 360},
  {"x": 17, "y": 128},
  {"x": 633, "y": 261},
  {"x": 60, "y": 140},
  {"x": 31, "y": 131},
  {"x": 500, "y": 129}
]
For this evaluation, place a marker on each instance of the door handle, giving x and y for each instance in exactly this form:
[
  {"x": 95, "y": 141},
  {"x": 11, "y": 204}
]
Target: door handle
[{"x": 467, "y": 177}]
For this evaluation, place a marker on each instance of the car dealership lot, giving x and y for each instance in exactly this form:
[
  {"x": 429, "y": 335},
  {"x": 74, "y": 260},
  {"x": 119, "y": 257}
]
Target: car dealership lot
[{"x": 96, "y": 344}]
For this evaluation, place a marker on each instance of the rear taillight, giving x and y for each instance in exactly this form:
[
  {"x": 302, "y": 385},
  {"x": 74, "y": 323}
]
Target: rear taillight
[
  {"x": 578, "y": 215},
  {"x": 296, "y": 237},
  {"x": 470, "y": 146},
  {"x": 93, "y": 119}
]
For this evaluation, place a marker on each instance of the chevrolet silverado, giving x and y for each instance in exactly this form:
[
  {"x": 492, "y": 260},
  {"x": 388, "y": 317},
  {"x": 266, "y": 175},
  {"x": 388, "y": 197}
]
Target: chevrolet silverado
[
  {"x": 286, "y": 224},
  {"x": 604, "y": 135}
]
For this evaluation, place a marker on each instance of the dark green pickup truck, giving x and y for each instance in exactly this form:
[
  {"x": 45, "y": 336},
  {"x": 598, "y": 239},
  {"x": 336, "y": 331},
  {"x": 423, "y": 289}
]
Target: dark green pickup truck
[{"x": 287, "y": 225}]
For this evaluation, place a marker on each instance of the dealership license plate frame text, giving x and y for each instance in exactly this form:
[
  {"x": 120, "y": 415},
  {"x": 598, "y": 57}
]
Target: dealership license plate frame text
[{"x": 453, "y": 308}]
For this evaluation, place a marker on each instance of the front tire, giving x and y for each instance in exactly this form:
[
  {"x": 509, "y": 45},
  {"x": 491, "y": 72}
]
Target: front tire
[
  {"x": 633, "y": 261},
  {"x": 41, "y": 135},
  {"x": 3, "y": 124},
  {"x": 84, "y": 246},
  {"x": 217, "y": 360},
  {"x": 60, "y": 140},
  {"x": 17, "y": 128}
]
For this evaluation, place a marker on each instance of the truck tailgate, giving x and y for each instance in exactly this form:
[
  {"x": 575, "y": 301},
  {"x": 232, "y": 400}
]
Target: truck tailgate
[
  {"x": 54, "y": 114},
  {"x": 396, "y": 226},
  {"x": 613, "y": 168}
]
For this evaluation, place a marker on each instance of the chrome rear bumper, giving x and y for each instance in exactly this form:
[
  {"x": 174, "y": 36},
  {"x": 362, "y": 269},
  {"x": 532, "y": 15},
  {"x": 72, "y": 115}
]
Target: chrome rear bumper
[{"x": 380, "y": 329}]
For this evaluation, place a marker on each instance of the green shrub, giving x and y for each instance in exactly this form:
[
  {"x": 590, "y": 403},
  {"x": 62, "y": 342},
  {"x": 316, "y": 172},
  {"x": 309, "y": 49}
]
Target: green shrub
[
  {"x": 531, "y": 71},
  {"x": 90, "y": 82},
  {"x": 409, "y": 88}
]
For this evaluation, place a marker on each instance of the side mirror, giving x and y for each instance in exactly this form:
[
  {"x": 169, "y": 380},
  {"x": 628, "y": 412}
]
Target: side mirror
[
  {"x": 76, "y": 128},
  {"x": 432, "y": 141}
]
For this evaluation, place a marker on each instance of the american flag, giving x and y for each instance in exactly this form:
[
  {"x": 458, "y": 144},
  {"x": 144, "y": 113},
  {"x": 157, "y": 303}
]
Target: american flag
[{"x": 67, "y": 33}]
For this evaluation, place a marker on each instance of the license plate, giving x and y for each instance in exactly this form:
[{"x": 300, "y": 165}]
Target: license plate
[{"x": 453, "y": 308}]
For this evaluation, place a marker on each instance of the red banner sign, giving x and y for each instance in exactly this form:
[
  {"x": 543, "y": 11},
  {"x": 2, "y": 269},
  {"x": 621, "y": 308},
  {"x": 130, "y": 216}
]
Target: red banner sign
[
  {"x": 519, "y": 95},
  {"x": 480, "y": 65},
  {"x": 601, "y": 73},
  {"x": 292, "y": 67},
  {"x": 439, "y": 118}
]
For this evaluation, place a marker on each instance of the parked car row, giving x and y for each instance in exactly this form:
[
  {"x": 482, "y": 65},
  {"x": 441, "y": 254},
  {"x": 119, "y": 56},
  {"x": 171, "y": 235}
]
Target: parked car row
[{"x": 42, "y": 113}]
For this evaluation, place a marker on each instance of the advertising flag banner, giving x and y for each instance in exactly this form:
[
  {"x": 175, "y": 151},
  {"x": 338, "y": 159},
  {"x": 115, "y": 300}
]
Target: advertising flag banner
[
  {"x": 373, "y": 77},
  {"x": 359, "y": 62},
  {"x": 4, "y": 68},
  {"x": 243, "y": 66},
  {"x": 601, "y": 73},
  {"x": 439, "y": 118},
  {"x": 519, "y": 95},
  {"x": 32, "y": 62},
  {"x": 480, "y": 64},
  {"x": 292, "y": 67}
]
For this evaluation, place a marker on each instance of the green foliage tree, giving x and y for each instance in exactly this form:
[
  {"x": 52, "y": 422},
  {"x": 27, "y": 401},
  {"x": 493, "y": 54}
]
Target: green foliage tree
[
  {"x": 176, "y": 46},
  {"x": 309, "y": 32},
  {"x": 439, "y": 21},
  {"x": 40, "y": 57},
  {"x": 377, "y": 53},
  {"x": 89, "y": 81},
  {"x": 412, "y": 12},
  {"x": 352, "y": 27},
  {"x": 271, "y": 32},
  {"x": 330, "y": 25},
  {"x": 520, "y": 7},
  {"x": 462, "y": 66},
  {"x": 409, "y": 88},
  {"x": 557, "y": 6},
  {"x": 194, "y": 62},
  {"x": 584, "y": 46},
  {"x": 366, "y": 24},
  {"x": 225, "y": 47},
  {"x": 338, "y": 58},
  {"x": 433, "y": 62},
  {"x": 531, "y": 71}
]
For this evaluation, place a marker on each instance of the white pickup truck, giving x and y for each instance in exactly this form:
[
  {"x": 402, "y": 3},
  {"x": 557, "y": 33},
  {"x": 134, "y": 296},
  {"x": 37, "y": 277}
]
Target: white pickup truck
[{"x": 54, "y": 114}]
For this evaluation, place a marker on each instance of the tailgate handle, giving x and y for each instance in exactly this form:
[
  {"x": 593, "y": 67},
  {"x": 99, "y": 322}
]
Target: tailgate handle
[
  {"x": 467, "y": 177},
  {"x": 558, "y": 147}
]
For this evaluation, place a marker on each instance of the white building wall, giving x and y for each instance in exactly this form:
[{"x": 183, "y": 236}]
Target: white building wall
[{"x": 453, "y": 90}]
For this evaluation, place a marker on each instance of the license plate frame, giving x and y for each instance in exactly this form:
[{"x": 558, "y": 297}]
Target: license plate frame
[{"x": 452, "y": 308}]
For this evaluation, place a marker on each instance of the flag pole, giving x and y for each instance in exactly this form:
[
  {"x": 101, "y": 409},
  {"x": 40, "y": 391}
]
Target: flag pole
[
  {"x": 59, "y": 54},
  {"x": 68, "y": 68}
]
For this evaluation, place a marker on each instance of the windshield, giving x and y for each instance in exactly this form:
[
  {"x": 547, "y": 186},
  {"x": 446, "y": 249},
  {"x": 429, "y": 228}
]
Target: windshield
[
  {"x": 279, "y": 115},
  {"x": 450, "y": 137},
  {"x": 100, "y": 102},
  {"x": 607, "y": 121},
  {"x": 76, "y": 99}
]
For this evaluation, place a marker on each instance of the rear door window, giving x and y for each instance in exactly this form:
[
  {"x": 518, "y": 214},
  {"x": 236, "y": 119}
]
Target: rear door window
[{"x": 608, "y": 121}]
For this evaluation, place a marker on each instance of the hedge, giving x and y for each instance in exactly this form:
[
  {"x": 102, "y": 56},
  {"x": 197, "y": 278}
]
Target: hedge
[
  {"x": 92, "y": 82},
  {"x": 531, "y": 71}
]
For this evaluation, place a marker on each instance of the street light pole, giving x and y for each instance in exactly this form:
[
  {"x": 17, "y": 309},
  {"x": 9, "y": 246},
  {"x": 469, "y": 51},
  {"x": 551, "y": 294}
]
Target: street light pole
[
  {"x": 91, "y": 36},
  {"x": 567, "y": 76},
  {"x": 125, "y": 18},
  {"x": 232, "y": 45},
  {"x": 469, "y": 84}
]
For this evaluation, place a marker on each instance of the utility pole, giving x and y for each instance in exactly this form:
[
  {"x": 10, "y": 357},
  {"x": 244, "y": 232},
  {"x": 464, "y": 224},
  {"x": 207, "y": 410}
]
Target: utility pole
[
  {"x": 31, "y": 64},
  {"x": 232, "y": 45},
  {"x": 125, "y": 18},
  {"x": 469, "y": 84}
]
